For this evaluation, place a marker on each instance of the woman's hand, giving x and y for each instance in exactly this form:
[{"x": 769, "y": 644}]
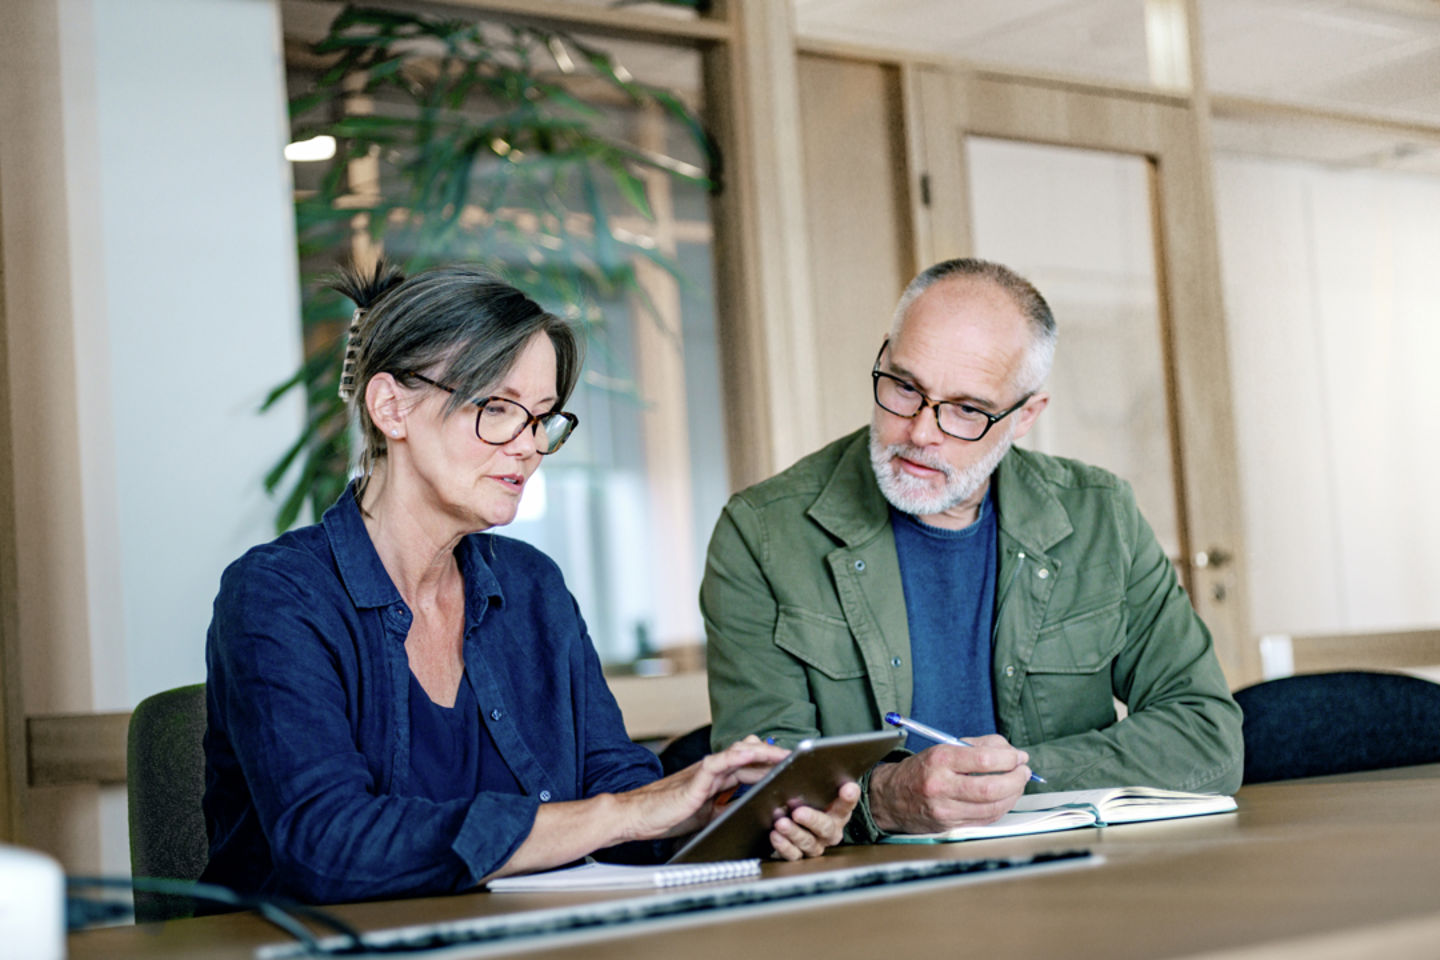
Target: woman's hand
[{"x": 686, "y": 801}]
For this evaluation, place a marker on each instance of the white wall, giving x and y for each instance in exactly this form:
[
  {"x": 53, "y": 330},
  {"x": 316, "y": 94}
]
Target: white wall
[
  {"x": 1331, "y": 294},
  {"x": 201, "y": 301},
  {"x": 152, "y": 299}
]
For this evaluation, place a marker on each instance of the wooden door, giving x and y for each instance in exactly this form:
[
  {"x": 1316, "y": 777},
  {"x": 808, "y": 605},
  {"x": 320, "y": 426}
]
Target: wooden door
[{"x": 1147, "y": 144}]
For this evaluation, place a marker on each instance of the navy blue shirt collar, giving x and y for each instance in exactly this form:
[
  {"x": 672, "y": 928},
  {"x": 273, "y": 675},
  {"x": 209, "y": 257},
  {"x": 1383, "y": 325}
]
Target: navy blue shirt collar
[{"x": 368, "y": 582}]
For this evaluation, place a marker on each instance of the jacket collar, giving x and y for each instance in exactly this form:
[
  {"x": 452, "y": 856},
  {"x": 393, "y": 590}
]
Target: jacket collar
[
  {"x": 851, "y": 507},
  {"x": 1027, "y": 506},
  {"x": 365, "y": 577}
]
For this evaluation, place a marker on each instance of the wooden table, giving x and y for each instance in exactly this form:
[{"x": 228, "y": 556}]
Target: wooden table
[{"x": 1330, "y": 867}]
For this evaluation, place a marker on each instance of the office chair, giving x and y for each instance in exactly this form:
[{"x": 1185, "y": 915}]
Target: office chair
[
  {"x": 685, "y": 749},
  {"x": 1324, "y": 723},
  {"x": 166, "y": 782}
]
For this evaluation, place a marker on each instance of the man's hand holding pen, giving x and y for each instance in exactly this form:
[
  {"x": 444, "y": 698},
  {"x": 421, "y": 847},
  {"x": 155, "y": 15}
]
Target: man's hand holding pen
[{"x": 937, "y": 789}]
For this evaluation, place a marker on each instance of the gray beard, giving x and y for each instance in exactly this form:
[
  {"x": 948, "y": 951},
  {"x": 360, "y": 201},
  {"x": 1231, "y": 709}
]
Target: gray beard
[{"x": 916, "y": 497}]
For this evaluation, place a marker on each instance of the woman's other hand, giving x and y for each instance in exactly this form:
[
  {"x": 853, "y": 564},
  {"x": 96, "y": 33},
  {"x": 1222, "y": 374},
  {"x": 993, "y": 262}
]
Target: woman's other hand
[{"x": 806, "y": 832}]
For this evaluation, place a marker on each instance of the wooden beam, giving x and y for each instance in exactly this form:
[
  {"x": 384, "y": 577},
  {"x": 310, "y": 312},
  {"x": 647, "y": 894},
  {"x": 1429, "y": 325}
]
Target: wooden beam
[
  {"x": 762, "y": 297},
  {"x": 77, "y": 748},
  {"x": 1399, "y": 650},
  {"x": 1230, "y": 106},
  {"x": 605, "y": 21}
]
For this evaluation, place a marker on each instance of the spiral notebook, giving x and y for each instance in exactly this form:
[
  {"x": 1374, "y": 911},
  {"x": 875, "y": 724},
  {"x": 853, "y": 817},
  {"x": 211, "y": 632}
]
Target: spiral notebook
[{"x": 617, "y": 876}]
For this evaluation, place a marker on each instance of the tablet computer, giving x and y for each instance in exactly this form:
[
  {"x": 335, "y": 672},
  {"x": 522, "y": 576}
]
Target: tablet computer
[{"x": 811, "y": 776}]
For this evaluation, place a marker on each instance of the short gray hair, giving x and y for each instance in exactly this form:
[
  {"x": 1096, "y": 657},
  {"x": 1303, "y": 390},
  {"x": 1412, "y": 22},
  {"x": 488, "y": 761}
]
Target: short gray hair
[
  {"x": 1029, "y": 301},
  {"x": 460, "y": 324}
]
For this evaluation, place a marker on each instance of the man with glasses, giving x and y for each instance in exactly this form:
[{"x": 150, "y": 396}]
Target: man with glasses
[{"x": 925, "y": 566}]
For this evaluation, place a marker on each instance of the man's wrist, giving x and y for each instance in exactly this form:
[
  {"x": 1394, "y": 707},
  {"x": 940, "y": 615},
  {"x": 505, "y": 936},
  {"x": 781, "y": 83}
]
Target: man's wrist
[
  {"x": 862, "y": 827},
  {"x": 880, "y": 811}
]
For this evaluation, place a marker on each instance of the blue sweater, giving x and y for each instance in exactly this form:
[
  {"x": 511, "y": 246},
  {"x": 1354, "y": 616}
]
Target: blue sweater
[{"x": 308, "y": 748}]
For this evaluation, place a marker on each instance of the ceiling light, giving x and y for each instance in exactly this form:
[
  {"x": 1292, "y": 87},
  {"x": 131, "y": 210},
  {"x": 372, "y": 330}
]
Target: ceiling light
[{"x": 316, "y": 148}]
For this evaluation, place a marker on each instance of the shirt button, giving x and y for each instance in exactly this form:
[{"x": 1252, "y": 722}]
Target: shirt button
[
  {"x": 1042, "y": 573},
  {"x": 496, "y": 714},
  {"x": 1009, "y": 670},
  {"x": 895, "y": 661},
  {"x": 859, "y": 566},
  {"x": 1020, "y": 555},
  {"x": 544, "y": 796}
]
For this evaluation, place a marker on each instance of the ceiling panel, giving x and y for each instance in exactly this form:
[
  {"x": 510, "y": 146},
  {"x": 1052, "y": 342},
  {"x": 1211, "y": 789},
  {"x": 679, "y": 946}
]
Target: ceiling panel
[
  {"x": 1359, "y": 55},
  {"x": 1352, "y": 55}
]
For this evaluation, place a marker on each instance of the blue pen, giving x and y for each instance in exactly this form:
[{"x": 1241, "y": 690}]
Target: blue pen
[{"x": 930, "y": 733}]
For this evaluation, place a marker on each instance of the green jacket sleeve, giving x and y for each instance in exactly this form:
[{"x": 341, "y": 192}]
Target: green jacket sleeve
[
  {"x": 755, "y": 687},
  {"x": 1183, "y": 729}
]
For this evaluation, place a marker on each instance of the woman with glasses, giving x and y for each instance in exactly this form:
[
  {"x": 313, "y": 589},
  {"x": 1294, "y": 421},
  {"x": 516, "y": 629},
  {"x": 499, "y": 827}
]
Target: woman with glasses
[{"x": 401, "y": 702}]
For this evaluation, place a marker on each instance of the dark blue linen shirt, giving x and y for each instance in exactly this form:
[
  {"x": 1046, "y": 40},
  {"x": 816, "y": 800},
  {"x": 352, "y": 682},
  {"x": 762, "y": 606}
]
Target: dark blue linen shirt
[{"x": 308, "y": 749}]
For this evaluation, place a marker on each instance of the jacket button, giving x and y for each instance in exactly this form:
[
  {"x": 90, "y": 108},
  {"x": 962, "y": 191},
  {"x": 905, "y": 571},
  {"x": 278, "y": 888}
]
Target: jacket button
[
  {"x": 1009, "y": 670},
  {"x": 1042, "y": 573},
  {"x": 895, "y": 661},
  {"x": 859, "y": 566},
  {"x": 544, "y": 796},
  {"x": 496, "y": 714}
]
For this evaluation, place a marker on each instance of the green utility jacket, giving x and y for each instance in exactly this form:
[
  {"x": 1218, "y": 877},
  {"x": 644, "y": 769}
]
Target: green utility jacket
[{"x": 808, "y": 635}]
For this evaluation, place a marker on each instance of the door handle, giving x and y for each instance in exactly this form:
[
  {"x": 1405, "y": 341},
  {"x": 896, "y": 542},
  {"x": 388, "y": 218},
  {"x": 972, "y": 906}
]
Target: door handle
[{"x": 1214, "y": 558}]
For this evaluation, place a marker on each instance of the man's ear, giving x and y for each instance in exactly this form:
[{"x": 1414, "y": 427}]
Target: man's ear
[
  {"x": 1027, "y": 415},
  {"x": 383, "y": 396}
]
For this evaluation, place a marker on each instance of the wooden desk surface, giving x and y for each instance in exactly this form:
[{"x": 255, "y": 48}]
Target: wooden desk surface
[{"x": 1329, "y": 867}]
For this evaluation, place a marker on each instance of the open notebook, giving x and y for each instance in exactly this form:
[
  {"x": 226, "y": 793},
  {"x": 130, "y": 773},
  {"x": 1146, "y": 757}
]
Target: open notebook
[
  {"x": 616, "y": 876},
  {"x": 1070, "y": 809}
]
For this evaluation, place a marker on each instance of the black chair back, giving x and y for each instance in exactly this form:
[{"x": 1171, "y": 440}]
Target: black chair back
[
  {"x": 166, "y": 784},
  {"x": 685, "y": 750},
  {"x": 1325, "y": 723}
]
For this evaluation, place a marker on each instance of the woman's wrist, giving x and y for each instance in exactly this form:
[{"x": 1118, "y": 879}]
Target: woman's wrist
[{"x": 617, "y": 812}]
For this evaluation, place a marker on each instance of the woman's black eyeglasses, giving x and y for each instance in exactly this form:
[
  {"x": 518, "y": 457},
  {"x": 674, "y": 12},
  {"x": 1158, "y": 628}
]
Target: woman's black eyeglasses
[{"x": 498, "y": 421}]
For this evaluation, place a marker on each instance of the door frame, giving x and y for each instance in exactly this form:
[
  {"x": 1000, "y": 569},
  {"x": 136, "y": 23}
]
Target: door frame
[
  {"x": 12, "y": 708},
  {"x": 943, "y": 107}
]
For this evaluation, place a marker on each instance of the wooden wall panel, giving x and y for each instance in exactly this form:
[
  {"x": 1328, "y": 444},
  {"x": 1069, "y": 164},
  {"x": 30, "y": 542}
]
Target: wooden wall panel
[{"x": 857, "y": 222}]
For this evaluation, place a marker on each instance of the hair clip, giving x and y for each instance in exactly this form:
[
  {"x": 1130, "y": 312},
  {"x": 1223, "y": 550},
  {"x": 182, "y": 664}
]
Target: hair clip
[{"x": 352, "y": 355}]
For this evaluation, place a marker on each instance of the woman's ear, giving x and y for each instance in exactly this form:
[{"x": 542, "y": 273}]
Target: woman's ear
[{"x": 383, "y": 396}]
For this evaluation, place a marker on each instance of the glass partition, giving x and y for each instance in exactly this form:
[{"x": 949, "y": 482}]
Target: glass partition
[{"x": 577, "y": 167}]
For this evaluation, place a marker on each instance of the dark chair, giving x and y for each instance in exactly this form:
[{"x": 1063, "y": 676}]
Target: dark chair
[
  {"x": 1324, "y": 723},
  {"x": 166, "y": 783},
  {"x": 685, "y": 750}
]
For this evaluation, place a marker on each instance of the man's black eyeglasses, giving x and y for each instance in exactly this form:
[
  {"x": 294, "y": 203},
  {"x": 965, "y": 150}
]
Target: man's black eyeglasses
[
  {"x": 959, "y": 420},
  {"x": 498, "y": 421}
]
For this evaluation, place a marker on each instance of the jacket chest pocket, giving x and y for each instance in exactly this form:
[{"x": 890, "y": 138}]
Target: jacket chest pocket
[
  {"x": 834, "y": 669},
  {"x": 1068, "y": 687},
  {"x": 822, "y": 643}
]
